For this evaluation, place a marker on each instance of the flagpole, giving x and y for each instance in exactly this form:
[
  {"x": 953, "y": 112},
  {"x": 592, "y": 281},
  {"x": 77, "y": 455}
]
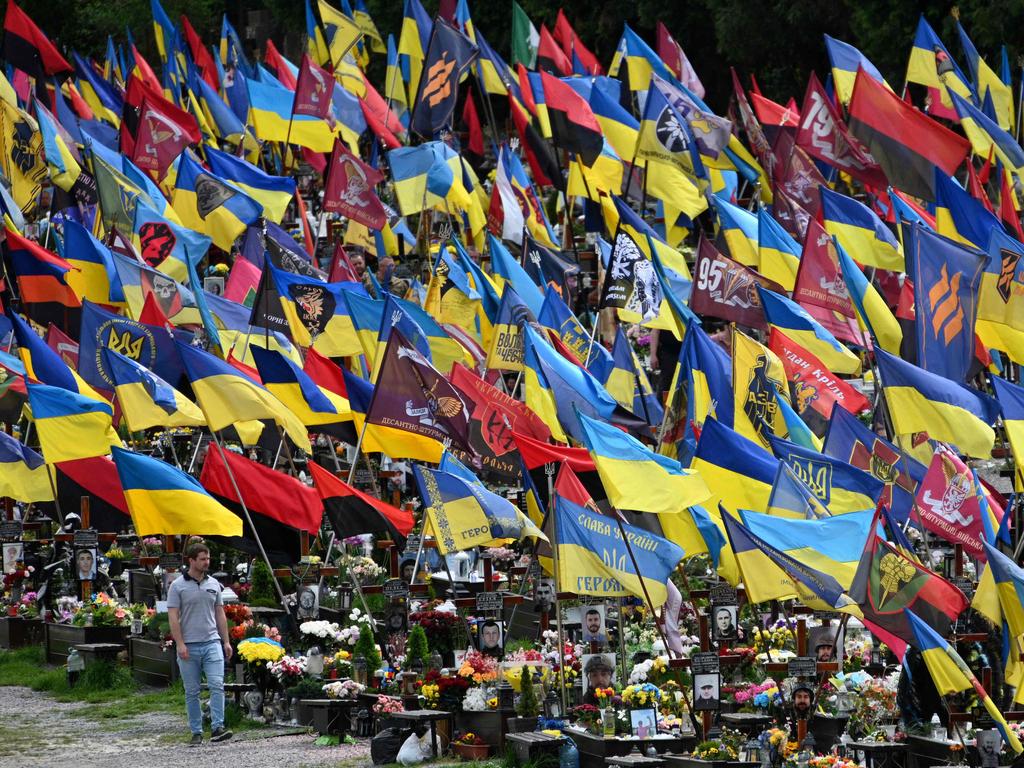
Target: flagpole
[
  {"x": 643, "y": 584},
  {"x": 1020, "y": 96},
  {"x": 355, "y": 459},
  {"x": 248, "y": 518},
  {"x": 549, "y": 470}
]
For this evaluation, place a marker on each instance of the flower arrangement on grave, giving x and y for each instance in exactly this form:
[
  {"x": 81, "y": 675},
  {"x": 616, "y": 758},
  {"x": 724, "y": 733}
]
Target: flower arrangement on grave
[
  {"x": 641, "y": 696},
  {"x": 479, "y": 668},
  {"x": 475, "y": 700},
  {"x": 288, "y": 670},
  {"x": 874, "y": 702},
  {"x": 752, "y": 697},
  {"x": 17, "y": 576},
  {"x": 343, "y": 689},
  {"x": 27, "y": 606},
  {"x": 360, "y": 569},
  {"x": 653, "y": 670},
  {"x": 776, "y": 745},
  {"x": 440, "y": 627},
  {"x": 250, "y": 628},
  {"x": 102, "y": 611},
  {"x": 328, "y": 632},
  {"x": 604, "y": 696},
  {"x": 586, "y": 715},
  {"x": 260, "y": 651},
  {"x": 503, "y": 557},
  {"x": 431, "y": 693},
  {"x": 337, "y": 665},
  {"x": 778, "y": 641},
  {"x": 831, "y": 761},
  {"x": 387, "y": 705},
  {"x": 714, "y": 749},
  {"x": 150, "y": 546},
  {"x": 470, "y": 740}
]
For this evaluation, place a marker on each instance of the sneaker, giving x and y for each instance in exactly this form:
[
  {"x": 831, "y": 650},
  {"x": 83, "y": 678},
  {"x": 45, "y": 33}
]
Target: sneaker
[
  {"x": 221, "y": 734},
  {"x": 197, "y": 740}
]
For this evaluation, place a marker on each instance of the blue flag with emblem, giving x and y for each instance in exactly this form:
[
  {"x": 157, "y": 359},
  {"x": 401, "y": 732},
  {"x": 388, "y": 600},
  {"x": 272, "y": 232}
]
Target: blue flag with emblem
[
  {"x": 148, "y": 345},
  {"x": 946, "y": 278},
  {"x": 839, "y": 486}
]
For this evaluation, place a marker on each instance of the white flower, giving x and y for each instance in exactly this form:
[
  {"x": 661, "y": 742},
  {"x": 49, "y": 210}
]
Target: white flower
[
  {"x": 475, "y": 700},
  {"x": 325, "y": 630}
]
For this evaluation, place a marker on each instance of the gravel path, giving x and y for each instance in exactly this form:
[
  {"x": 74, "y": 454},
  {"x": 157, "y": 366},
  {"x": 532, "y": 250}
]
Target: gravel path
[{"x": 36, "y": 730}]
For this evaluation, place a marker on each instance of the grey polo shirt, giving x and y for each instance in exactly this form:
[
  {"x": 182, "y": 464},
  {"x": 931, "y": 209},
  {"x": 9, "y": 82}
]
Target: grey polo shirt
[{"x": 198, "y": 603}]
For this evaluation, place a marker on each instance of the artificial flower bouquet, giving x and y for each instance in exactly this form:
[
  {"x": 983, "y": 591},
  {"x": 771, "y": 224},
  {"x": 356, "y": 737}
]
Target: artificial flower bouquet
[{"x": 343, "y": 689}]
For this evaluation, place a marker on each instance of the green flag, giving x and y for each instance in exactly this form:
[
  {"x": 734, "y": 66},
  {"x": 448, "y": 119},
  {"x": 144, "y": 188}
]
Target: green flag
[{"x": 525, "y": 38}]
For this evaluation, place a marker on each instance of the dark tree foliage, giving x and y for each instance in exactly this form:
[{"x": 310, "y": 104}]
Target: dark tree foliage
[{"x": 779, "y": 41}]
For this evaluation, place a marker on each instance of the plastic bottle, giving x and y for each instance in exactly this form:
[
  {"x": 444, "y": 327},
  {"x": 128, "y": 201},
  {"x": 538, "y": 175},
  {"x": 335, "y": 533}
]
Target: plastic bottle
[
  {"x": 75, "y": 666},
  {"x": 568, "y": 755},
  {"x": 937, "y": 729}
]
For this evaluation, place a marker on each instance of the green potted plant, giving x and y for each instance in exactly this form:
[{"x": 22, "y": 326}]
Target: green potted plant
[
  {"x": 366, "y": 646},
  {"x": 262, "y": 592},
  {"x": 469, "y": 746},
  {"x": 417, "y": 651},
  {"x": 527, "y": 705}
]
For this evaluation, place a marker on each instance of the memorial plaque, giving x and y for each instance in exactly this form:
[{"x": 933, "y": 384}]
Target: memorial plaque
[
  {"x": 86, "y": 538},
  {"x": 395, "y": 588},
  {"x": 803, "y": 666},
  {"x": 489, "y": 601},
  {"x": 964, "y": 584},
  {"x": 412, "y": 546},
  {"x": 723, "y": 594},
  {"x": 11, "y": 529},
  {"x": 705, "y": 662}
]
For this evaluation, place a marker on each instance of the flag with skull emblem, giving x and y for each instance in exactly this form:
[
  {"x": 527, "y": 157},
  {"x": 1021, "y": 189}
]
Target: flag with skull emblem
[{"x": 631, "y": 283}]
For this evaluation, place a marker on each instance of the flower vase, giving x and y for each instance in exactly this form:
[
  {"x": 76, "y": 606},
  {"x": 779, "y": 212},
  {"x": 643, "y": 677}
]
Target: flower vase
[{"x": 608, "y": 722}]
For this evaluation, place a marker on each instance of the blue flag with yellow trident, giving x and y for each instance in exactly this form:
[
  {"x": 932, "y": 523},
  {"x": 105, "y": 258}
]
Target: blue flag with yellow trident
[
  {"x": 593, "y": 558},
  {"x": 149, "y": 345}
]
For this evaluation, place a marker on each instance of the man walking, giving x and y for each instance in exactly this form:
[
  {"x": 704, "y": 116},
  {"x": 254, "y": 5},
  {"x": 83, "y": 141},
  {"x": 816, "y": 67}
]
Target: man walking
[{"x": 195, "y": 609}]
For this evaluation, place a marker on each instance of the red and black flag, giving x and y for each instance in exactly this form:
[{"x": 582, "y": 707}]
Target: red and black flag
[
  {"x": 41, "y": 275},
  {"x": 573, "y": 125},
  {"x": 536, "y": 454},
  {"x": 353, "y": 512},
  {"x": 280, "y": 506},
  {"x": 906, "y": 143},
  {"x": 889, "y": 585},
  {"x": 551, "y": 58},
  {"x": 573, "y": 46},
  {"x": 28, "y": 49},
  {"x": 539, "y": 154},
  {"x": 96, "y": 478},
  {"x": 448, "y": 55}
]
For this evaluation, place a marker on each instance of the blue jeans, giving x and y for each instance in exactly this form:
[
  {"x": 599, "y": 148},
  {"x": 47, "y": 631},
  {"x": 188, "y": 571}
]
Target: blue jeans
[{"x": 203, "y": 658}]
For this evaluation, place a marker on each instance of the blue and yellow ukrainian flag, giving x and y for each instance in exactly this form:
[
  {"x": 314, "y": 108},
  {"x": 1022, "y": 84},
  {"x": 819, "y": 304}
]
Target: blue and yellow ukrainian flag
[
  {"x": 1011, "y": 400},
  {"x": 640, "y": 60},
  {"x": 593, "y": 560},
  {"x": 556, "y": 389},
  {"x": 70, "y": 426},
  {"x": 274, "y": 193},
  {"x": 796, "y": 427},
  {"x": 442, "y": 350},
  {"x": 318, "y": 313},
  {"x": 227, "y": 397},
  {"x": 987, "y": 137},
  {"x": 508, "y": 270},
  {"x": 871, "y": 308},
  {"x": 44, "y": 365},
  {"x": 413, "y": 43},
  {"x": 291, "y": 385},
  {"x": 1000, "y": 321},
  {"x": 556, "y": 315},
  {"x": 146, "y": 400},
  {"x": 932, "y": 65},
  {"x": 95, "y": 276},
  {"x": 430, "y": 175},
  {"x": 628, "y": 383},
  {"x": 61, "y": 160},
  {"x": 367, "y": 316},
  {"x": 635, "y": 477},
  {"x": 163, "y": 500},
  {"x": 704, "y": 373},
  {"x": 832, "y": 545},
  {"x": 221, "y": 211},
  {"x": 845, "y": 61},
  {"x": 739, "y": 228},
  {"x": 619, "y": 126},
  {"x": 464, "y": 514},
  {"x": 791, "y": 498},
  {"x": 951, "y": 674},
  {"x": 860, "y": 231},
  {"x": 920, "y": 401},
  {"x": 101, "y": 96},
  {"x": 839, "y": 486},
  {"x": 778, "y": 253},
  {"x": 959, "y": 216},
  {"x": 1000, "y": 594},
  {"x": 797, "y": 324},
  {"x": 187, "y": 246},
  {"x": 22, "y": 472},
  {"x": 270, "y": 111},
  {"x": 987, "y": 83},
  {"x": 769, "y": 574},
  {"x": 738, "y": 472}
]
